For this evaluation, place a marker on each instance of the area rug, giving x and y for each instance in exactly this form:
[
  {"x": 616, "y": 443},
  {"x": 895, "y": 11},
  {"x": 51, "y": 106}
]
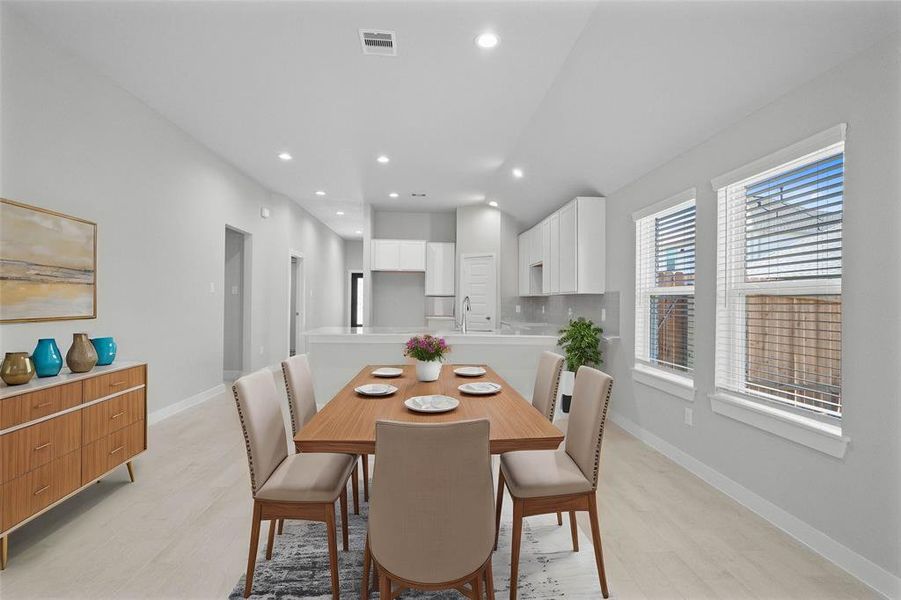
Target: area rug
[{"x": 299, "y": 568}]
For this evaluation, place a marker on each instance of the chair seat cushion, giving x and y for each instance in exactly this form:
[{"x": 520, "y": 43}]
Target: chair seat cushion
[
  {"x": 308, "y": 477},
  {"x": 536, "y": 473}
]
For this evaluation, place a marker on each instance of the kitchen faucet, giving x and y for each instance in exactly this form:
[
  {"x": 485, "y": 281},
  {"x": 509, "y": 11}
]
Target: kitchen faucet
[{"x": 466, "y": 308}]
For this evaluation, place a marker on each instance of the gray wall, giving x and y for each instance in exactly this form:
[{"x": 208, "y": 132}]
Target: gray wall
[
  {"x": 74, "y": 142},
  {"x": 854, "y": 500},
  {"x": 429, "y": 226}
]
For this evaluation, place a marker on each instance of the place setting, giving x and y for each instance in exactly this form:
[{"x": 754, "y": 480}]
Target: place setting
[
  {"x": 388, "y": 372},
  {"x": 480, "y": 388},
  {"x": 375, "y": 389},
  {"x": 470, "y": 371},
  {"x": 436, "y": 403}
]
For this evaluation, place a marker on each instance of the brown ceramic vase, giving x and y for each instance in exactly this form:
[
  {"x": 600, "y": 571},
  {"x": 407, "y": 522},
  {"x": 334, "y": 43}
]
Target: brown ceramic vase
[
  {"x": 17, "y": 368},
  {"x": 81, "y": 357}
]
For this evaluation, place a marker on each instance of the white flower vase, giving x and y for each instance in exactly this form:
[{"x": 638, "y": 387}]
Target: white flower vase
[{"x": 428, "y": 370}]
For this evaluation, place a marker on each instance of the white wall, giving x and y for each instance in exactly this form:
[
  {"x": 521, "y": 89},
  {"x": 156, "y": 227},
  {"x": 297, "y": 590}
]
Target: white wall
[
  {"x": 855, "y": 501},
  {"x": 74, "y": 142},
  {"x": 233, "y": 288}
]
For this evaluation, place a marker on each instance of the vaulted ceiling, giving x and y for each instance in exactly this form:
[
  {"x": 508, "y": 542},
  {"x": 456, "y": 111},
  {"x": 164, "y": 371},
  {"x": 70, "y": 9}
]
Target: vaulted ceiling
[{"x": 583, "y": 96}]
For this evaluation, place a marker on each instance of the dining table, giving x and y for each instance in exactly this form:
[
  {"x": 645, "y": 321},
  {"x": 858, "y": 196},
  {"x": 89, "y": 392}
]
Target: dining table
[{"x": 347, "y": 422}]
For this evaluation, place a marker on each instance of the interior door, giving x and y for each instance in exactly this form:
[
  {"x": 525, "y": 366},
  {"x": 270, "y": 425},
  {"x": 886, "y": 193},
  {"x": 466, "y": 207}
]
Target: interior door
[{"x": 478, "y": 280}]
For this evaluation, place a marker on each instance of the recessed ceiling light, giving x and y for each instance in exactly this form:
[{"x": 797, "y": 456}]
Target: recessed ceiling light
[
  {"x": 487, "y": 40},
  {"x": 393, "y": 194},
  {"x": 358, "y": 232},
  {"x": 320, "y": 193},
  {"x": 517, "y": 172},
  {"x": 493, "y": 203},
  {"x": 383, "y": 159},
  {"x": 340, "y": 213},
  {"x": 285, "y": 156}
]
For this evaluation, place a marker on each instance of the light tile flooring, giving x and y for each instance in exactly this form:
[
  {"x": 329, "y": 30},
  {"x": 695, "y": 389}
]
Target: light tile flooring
[{"x": 181, "y": 530}]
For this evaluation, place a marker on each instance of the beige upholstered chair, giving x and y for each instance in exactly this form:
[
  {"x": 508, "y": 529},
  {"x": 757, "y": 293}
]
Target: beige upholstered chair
[
  {"x": 547, "y": 382},
  {"x": 546, "y": 481},
  {"x": 297, "y": 486},
  {"x": 430, "y": 515},
  {"x": 302, "y": 408}
]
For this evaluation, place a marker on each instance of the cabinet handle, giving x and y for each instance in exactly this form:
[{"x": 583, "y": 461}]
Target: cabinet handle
[
  {"x": 116, "y": 383},
  {"x": 42, "y": 405},
  {"x": 42, "y": 446},
  {"x": 42, "y": 490},
  {"x": 117, "y": 415},
  {"x": 117, "y": 449}
]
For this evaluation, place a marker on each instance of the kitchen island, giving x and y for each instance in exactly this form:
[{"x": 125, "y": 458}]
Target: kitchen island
[{"x": 337, "y": 353}]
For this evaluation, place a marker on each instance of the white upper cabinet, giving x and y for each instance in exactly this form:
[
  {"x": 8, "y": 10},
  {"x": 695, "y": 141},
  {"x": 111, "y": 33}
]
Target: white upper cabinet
[
  {"x": 566, "y": 253},
  {"x": 440, "y": 258},
  {"x": 398, "y": 255}
]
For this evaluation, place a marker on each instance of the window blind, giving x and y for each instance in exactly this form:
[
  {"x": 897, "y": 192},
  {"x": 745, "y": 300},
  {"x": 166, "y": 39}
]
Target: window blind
[
  {"x": 779, "y": 269},
  {"x": 664, "y": 288}
]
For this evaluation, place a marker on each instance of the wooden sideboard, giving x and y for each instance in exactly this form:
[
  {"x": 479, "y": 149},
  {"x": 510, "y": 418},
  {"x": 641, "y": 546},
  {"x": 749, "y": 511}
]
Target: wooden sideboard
[{"x": 58, "y": 435}]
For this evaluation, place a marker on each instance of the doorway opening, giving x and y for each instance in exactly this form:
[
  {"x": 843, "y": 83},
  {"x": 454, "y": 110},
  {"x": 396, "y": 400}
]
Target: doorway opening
[
  {"x": 235, "y": 330},
  {"x": 356, "y": 299},
  {"x": 478, "y": 282},
  {"x": 296, "y": 312}
]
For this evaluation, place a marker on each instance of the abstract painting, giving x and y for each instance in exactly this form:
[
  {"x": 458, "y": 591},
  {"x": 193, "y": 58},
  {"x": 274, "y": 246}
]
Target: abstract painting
[{"x": 48, "y": 265}]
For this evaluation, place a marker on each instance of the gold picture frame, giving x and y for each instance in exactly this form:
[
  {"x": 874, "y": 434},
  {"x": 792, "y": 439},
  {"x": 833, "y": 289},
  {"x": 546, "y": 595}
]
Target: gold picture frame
[{"x": 48, "y": 265}]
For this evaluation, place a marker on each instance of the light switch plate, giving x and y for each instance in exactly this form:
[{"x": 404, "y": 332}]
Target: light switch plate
[{"x": 689, "y": 417}]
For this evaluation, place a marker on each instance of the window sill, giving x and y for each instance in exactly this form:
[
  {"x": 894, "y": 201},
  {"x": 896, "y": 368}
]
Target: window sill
[
  {"x": 823, "y": 437},
  {"x": 675, "y": 385}
]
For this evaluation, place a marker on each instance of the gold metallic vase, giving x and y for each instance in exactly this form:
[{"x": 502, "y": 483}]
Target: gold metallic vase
[
  {"x": 81, "y": 357},
  {"x": 17, "y": 368}
]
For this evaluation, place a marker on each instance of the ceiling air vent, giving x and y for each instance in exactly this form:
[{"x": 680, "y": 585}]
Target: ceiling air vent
[{"x": 378, "y": 42}]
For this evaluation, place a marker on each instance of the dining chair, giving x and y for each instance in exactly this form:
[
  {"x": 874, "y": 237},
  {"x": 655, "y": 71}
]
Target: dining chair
[
  {"x": 302, "y": 407},
  {"x": 430, "y": 514},
  {"x": 296, "y": 486},
  {"x": 544, "y": 399},
  {"x": 546, "y": 481}
]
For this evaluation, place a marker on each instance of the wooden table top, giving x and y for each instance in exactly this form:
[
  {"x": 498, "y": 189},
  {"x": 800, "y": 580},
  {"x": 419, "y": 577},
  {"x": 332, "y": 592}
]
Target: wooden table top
[{"x": 347, "y": 422}]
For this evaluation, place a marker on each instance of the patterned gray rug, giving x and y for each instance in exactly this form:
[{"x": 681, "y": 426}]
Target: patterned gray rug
[{"x": 299, "y": 569}]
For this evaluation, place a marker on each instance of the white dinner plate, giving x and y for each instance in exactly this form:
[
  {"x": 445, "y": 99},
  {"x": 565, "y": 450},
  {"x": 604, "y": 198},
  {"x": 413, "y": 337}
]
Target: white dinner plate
[
  {"x": 482, "y": 388},
  {"x": 375, "y": 389},
  {"x": 388, "y": 372},
  {"x": 431, "y": 404},
  {"x": 470, "y": 371}
]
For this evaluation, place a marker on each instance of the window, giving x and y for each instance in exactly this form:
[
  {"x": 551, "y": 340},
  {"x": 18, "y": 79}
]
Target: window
[
  {"x": 779, "y": 277},
  {"x": 665, "y": 285}
]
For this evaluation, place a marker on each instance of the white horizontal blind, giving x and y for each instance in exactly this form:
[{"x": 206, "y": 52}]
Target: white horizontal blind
[
  {"x": 779, "y": 269},
  {"x": 664, "y": 288}
]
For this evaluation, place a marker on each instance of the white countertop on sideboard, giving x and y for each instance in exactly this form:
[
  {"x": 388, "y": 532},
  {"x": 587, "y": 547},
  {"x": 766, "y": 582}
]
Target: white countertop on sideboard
[{"x": 65, "y": 376}]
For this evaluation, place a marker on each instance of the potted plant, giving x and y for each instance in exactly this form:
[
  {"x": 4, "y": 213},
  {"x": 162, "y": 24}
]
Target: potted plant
[
  {"x": 428, "y": 351},
  {"x": 581, "y": 341}
]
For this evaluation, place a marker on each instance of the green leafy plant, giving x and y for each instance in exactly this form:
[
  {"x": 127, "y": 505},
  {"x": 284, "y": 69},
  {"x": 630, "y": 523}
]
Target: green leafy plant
[{"x": 581, "y": 341}]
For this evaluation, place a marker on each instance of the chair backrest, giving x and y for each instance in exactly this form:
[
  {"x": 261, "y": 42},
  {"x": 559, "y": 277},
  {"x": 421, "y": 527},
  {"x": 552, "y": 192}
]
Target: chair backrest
[
  {"x": 260, "y": 413},
  {"x": 587, "y": 415},
  {"x": 547, "y": 382},
  {"x": 299, "y": 384},
  {"x": 431, "y": 509}
]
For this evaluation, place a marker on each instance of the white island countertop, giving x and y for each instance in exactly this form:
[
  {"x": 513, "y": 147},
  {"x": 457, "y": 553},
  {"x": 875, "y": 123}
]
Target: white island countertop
[{"x": 393, "y": 335}]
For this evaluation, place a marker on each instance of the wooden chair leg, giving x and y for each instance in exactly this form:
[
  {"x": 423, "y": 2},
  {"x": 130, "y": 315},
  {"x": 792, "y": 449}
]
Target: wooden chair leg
[
  {"x": 477, "y": 587},
  {"x": 514, "y": 547},
  {"x": 332, "y": 548},
  {"x": 574, "y": 530},
  {"x": 559, "y": 519},
  {"x": 489, "y": 581},
  {"x": 343, "y": 500},
  {"x": 366, "y": 477},
  {"x": 273, "y": 524},
  {"x": 367, "y": 562},
  {"x": 254, "y": 544},
  {"x": 498, "y": 506},
  {"x": 355, "y": 484},
  {"x": 281, "y": 526},
  {"x": 384, "y": 586},
  {"x": 596, "y": 541}
]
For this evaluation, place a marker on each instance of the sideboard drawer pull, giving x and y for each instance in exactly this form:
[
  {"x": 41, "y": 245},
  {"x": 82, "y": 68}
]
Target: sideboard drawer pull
[
  {"x": 42, "y": 446},
  {"x": 117, "y": 415},
  {"x": 42, "y": 490},
  {"x": 117, "y": 383},
  {"x": 117, "y": 449},
  {"x": 43, "y": 404}
]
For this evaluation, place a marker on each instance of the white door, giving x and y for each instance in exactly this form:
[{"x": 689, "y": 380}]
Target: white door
[
  {"x": 478, "y": 280},
  {"x": 439, "y": 269},
  {"x": 296, "y": 307}
]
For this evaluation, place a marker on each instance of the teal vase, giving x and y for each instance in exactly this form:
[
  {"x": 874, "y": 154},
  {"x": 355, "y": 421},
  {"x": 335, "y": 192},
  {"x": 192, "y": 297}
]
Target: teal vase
[
  {"x": 47, "y": 359},
  {"x": 106, "y": 350}
]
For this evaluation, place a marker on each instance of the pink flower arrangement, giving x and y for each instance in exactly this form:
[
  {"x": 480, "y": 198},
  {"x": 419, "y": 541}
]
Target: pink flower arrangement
[{"x": 426, "y": 348}]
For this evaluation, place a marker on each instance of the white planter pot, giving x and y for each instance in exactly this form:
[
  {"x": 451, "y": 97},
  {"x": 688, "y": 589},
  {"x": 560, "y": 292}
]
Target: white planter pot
[
  {"x": 428, "y": 370},
  {"x": 567, "y": 380}
]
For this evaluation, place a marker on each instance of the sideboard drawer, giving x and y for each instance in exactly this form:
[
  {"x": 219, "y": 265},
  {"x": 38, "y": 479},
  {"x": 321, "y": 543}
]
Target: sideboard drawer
[
  {"x": 39, "y": 488},
  {"x": 28, "y": 407},
  {"x": 108, "y": 452},
  {"x": 104, "y": 385},
  {"x": 111, "y": 415},
  {"x": 30, "y": 447}
]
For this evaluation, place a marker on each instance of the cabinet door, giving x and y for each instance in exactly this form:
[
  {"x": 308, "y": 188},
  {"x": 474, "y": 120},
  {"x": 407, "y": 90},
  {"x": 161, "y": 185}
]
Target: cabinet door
[
  {"x": 439, "y": 269},
  {"x": 546, "y": 256},
  {"x": 568, "y": 253},
  {"x": 523, "y": 264},
  {"x": 553, "y": 261},
  {"x": 535, "y": 245},
  {"x": 385, "y": 255},
  {"x": 412, "y": 255}
]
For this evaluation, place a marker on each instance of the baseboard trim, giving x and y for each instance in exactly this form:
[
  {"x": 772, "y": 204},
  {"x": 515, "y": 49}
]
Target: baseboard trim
[
  {"x": 862, "y": 568},
  {"x": 173, "y": 409}
]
